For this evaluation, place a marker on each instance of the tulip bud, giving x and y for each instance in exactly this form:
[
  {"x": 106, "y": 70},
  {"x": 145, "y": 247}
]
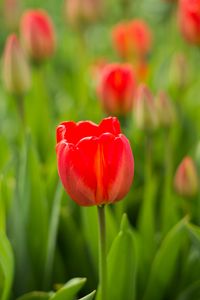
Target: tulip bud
[
  {"x": 95, "y": 162},
  {"x": 165, "y": 110},
  {"x": 79, "y": 12},
  {"x": 116, "y": 88},
  {"x": 186, "y": 178},
  {"x": 132, "y": 39},
  {"x": 179, "y": 71},
  {"x": 11, "y": 10},
  {"x": 37, "y": 34},
  {"x": 144, "y": 109},
  {"x": 189, "y": 20},
  {"x": 16, "y": 73}
]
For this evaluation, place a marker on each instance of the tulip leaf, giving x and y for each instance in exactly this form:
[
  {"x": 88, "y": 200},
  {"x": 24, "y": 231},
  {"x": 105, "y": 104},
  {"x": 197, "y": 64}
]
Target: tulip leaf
[
  {"x": 194, "y": 232},
  {"x": 6, "y": 267},
  {"x": 89, "y": 297},
  {"x": 122, "y": 264},
  {"x": 164, "y": 263},
  {"x": 52, "y": 234},
  {"x": 35, "y": 296},
  {"x": 192, "y": 292},
  {"x": 69, "y": 290}
]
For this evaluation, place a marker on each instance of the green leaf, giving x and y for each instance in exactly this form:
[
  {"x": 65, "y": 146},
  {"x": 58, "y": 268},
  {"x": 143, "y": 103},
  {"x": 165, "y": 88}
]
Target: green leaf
[
  {"x": 192, "y": 292},
  {"x": 89, "y": 297},
  {"x": 164, "y": 263},
  {"x": 35, "y": 296},
  {"x": 194, "y": 232},
  {"x": 122, "y": 264},
  {"x": 6, "y": 267},
  {"x": 69, "y": 290},
  {"x": 52, "y": 234}
]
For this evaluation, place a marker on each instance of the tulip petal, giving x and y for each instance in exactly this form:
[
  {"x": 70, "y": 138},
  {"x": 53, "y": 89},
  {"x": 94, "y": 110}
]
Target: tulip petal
[{"x": 72, "y": 171}]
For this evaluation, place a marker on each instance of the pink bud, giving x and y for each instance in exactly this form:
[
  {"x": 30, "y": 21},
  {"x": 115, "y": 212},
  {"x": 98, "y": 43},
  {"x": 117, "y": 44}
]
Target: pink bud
[
  {"x": 186, "y": 178},
  {"x": 16, "y": 73},
  {"x": 144, "y": 109},
  {"x": 37, "y": 34}
]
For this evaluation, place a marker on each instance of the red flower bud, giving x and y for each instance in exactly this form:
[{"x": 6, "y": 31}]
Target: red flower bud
[
  {"x": 95, "y": 162},
  {"x": 186, "y": 178},
  {"x": 132, "y": 39},
  {"x": 16, "y": 73},
  {"x": 37, "y": 34},
  {"x": 82, "y": 11},
  {"x": 116, "y": 88},
  {"x": 144, "y": 109},
  {"x": 189, "y": 20}
]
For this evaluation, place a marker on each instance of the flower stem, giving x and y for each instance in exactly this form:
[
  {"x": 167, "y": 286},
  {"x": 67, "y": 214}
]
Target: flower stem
[
  {"x": 102, "y": 252},
  {"x": 20, "y": 107}
]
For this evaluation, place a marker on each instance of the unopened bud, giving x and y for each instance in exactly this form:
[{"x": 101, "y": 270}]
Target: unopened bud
[
  {"x": 16, "y": 73},
  {"x": 165, "y": 109},
  {"x": 186, "y": 178},
  {"x": 145, "y": 109}
]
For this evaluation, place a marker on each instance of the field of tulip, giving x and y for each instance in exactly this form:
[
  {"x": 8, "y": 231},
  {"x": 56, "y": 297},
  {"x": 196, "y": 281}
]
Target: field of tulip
[{"x": 100, "y": 150}]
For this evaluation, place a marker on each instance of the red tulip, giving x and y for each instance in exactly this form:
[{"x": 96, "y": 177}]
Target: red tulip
[
  {"x": 132, "y": 39},
  {"x": 116, "y": 88},
  {"x": 16, "y": 73},
  {"x": 186, "y": 178},
  {"x": 189, "y": 20},
  {"x": 95, "y": 162},
  {"x": 37, "y": 34}
]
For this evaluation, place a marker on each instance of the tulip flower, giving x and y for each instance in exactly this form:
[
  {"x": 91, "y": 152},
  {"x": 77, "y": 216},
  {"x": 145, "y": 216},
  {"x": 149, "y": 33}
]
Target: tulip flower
[
  {"x": 79, "y": 12},
  {"x": 165, "y": 109},
  {"x": 37, "y": 34},
  {"x": 132, "y": 39},
  {"x": 189, "y": 20},
  {"x": 95, "y": 162},
  {"x": 186, "y": 178},
  {"x": 16, "y": 73},
  {"x": 145, "y": 109},
  {"x": 116, "y": 88}
]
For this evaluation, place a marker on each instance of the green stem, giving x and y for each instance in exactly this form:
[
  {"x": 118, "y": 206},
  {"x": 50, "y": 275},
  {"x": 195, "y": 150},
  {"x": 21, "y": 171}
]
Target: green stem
[
  {"x": 20, "y": 107},
  {"x": 102, "y": 252}
]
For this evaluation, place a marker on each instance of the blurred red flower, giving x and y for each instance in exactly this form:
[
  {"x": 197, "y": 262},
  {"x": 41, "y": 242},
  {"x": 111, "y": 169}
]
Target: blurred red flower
[
  {"x": 116, "y": 88},
  {"x": 37, "y": 34},
  {"x": 132, "y": 39},
  {"x": 189, "y": 20},
  {"x": 95, "y": 162}
]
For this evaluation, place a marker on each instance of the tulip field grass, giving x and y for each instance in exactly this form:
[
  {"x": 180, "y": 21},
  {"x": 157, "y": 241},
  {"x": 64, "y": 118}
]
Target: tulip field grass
[{"x": 100, "y": 150}]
